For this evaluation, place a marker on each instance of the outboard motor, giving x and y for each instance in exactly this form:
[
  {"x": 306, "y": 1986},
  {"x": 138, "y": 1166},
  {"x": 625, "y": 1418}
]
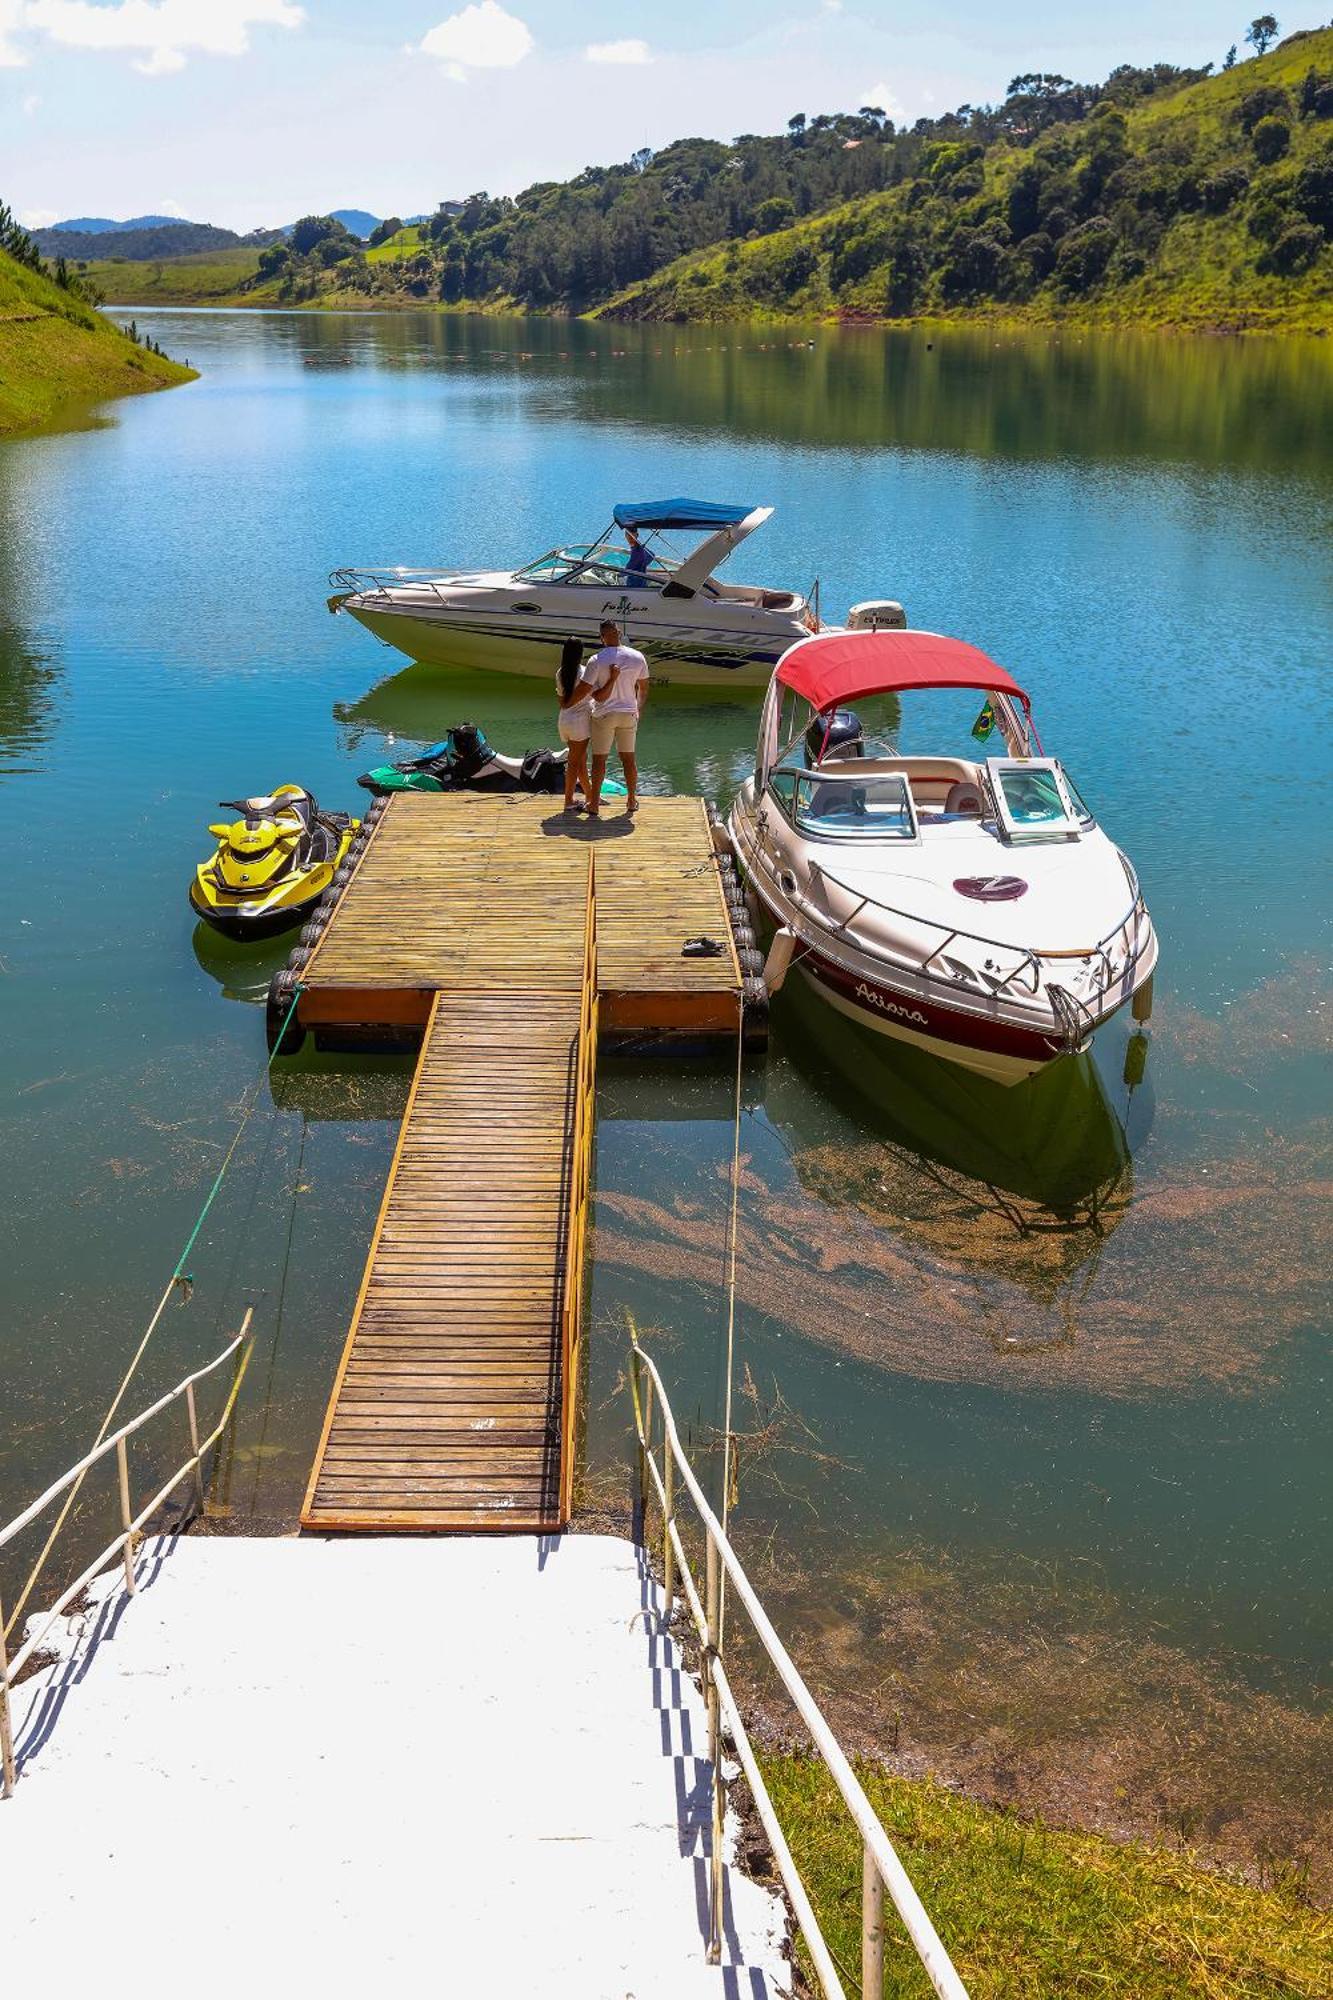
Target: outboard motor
[
  {"x": 835, "y": 736},
  {"x": 470, "y": 750},
  {"x": 877, "y": 614}
]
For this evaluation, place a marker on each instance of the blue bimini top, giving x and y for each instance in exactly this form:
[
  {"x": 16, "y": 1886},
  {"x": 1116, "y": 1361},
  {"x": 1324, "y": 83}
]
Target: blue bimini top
[{"x": 678, "y": 514}]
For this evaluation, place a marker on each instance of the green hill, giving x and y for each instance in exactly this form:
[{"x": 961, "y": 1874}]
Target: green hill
[
  {"x": 1204, "y": 204},
  {"x": 56, "y": 351},
  {"x": 1160, "y": 196}
]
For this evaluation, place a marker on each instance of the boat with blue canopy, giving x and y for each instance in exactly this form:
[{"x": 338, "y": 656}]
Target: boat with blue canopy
[{"x": 653, "y": 570}]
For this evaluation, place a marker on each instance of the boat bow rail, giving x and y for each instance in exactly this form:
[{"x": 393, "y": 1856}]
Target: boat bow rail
[
  {"x": 376, "y": 581},
  {"x": 881, "y": 1867},
  {"x": 1031, "y": 967}
]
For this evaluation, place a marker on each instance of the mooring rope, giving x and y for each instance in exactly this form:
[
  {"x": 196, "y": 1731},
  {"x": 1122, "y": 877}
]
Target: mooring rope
[{"x": 179, "y": 1277}]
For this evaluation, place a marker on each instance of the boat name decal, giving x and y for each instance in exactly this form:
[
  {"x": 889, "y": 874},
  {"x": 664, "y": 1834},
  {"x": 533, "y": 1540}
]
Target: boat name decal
[{"x": 876, "y": 999}]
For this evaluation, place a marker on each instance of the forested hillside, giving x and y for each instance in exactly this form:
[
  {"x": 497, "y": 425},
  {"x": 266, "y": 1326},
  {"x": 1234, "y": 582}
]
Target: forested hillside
[
  {"x": 56, "y": 350},
  {"x": 1208, "y": 203},
  {"x": 1177, "y": 196}
]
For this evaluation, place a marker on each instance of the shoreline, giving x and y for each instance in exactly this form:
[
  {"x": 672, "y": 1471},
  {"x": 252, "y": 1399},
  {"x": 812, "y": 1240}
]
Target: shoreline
[{"x": 1081, "y": 324}]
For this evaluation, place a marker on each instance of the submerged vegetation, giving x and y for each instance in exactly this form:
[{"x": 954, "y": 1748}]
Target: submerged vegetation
[{"x": 56, "y": 349}]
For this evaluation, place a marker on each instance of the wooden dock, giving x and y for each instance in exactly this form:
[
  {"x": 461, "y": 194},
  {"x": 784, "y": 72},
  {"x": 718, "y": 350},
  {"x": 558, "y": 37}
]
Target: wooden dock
[{"x": 510, "y": 940}]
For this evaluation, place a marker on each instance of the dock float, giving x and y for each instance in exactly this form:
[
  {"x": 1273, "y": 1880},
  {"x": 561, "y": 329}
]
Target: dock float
[{"x": 507, "y": 943}]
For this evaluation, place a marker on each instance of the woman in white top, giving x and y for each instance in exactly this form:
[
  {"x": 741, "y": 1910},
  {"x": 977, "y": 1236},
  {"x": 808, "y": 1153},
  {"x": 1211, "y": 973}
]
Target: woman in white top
[{"x": 575, "y": 719}]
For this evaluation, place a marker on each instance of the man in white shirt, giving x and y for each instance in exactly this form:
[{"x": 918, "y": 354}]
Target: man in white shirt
[{"x": 618, "y": 677}]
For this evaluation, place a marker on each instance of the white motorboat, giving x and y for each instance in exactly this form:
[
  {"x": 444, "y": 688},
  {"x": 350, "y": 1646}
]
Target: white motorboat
[
  {"x": 969, "y": 904},
  {"x": 694, "y": 630}
]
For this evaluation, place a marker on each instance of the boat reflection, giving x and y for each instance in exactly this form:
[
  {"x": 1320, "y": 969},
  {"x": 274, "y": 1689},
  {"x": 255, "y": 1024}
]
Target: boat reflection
[
  {"x": 706, "y": 747},
  {"x": 1048, "y": 1153}
]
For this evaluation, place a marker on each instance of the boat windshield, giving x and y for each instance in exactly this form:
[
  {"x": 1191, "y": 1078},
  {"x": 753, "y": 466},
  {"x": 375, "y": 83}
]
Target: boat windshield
[
  {"x": 599, "y": 563},
  {"x": 1032, "y": 799},
  {"x": 865, "y": 805}
]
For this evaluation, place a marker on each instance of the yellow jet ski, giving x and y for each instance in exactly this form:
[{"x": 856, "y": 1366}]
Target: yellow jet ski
[{"x": 272, "y": 865}]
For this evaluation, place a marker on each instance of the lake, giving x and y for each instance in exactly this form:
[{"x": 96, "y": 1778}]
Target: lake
[{"x": 1033, "y": 1384}]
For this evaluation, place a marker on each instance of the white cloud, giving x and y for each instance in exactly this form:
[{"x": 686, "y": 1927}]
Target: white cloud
[
  {"x": 168, "y": 208},
  {"x": 482, "y": 36},
  {"x": 38, "y": 218},
  {"x": 31, "y": 104},
  {"x": 158, "y": 34},
  {"x": 880, "y": 94},
  {"x": 632, "y": 51},
  {"x": 11, "y": 19}
]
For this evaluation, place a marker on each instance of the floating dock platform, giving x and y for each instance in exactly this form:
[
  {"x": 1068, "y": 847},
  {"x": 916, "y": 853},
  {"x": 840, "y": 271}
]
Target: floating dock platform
[{"x": 507, "y": 942}]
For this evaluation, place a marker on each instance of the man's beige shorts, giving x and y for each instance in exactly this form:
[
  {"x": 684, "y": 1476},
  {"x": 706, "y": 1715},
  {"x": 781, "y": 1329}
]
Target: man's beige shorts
[{"x": 618, "y": 729}]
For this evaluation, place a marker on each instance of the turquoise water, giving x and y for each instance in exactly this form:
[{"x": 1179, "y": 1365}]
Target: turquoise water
[{"x": 1034, "y": 1338}]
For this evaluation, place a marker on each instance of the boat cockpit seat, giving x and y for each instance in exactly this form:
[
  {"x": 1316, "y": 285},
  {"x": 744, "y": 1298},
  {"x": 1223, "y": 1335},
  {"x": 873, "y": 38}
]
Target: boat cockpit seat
[{"x": 965, "y": 797}]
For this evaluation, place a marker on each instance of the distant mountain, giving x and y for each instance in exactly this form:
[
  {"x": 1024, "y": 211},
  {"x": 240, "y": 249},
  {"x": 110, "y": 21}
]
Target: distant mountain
[
  {"x": 140, "y": 245},
  {"x": 101, "y": 225},
  {"x": 357, "y": 221}
]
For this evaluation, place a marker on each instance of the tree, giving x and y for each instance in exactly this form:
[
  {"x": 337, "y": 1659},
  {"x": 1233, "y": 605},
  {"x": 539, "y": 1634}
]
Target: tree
[
  {"x": 796, "y": 125},
  {"x": 1262, "y": 33},
  {"x": 775, "y": 213},
  {"x": 1294, "y": 250},
  {"x": 313, "y": 229},
  {"x": 1083, "y": 256},
  {"x": 384, "y": 230},
  {"x": 1312, "y": 191},
  {"x": 1271, "y": 138},
  {"x": 1229, "y": 60}
]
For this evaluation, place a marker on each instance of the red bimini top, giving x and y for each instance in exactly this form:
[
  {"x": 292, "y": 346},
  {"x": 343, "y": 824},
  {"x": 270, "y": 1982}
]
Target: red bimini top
[{"x": 843, "y": 666}]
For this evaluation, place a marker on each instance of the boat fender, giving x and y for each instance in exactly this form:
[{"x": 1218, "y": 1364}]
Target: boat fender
[
  {"x": 1136, "y": 1060},
  {"x": 754, "y": 1013},
  {"x": 284, "y": 1036},
  {"x": 721, "y": 838},
  {"x": 1141, "y": 1005},
  {"x": 750, "y": 960},
  {"x": 778, "y": 962}
]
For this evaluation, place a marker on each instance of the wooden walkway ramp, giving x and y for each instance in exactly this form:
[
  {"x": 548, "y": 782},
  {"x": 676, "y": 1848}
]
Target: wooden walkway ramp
[
  {"x": 450, "y": 1405},
  {"x": 509, "y": 939}
]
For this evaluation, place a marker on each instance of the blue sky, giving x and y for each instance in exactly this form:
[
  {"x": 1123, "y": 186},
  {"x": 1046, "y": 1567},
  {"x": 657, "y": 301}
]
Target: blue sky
[{"x": 246, "y": 112}]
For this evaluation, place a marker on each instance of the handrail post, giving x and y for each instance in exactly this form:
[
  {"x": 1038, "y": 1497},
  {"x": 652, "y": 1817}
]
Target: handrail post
[
  {"x": 668, "y": 1522},
  {"x": 194, "y": 1445},
  {"x": 645, "y": 1452},
  {"x": 872, "y": 1927},
  {"x": 126, "y": 1513},
  {"x": 712, "y": 1602},
  {"x": 8, "y": 1773}
]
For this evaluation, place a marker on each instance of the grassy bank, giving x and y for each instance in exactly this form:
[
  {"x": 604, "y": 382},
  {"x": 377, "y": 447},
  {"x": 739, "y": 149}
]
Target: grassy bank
[
  {"x": 1030, "y": 1913},
  {"x": 212, "y": 277},
  {"x": 57, "y": 354}
]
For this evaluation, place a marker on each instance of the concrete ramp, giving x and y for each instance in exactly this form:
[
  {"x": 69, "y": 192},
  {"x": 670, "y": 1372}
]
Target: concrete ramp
[{"x": 414, "y": 1766}]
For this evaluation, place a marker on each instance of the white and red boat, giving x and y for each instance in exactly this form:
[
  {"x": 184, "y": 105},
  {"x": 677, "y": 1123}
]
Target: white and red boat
[{"x": 969, "y": 904}]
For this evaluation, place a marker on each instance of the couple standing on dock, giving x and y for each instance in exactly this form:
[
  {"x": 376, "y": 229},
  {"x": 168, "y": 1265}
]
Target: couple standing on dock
[{"x": 600, "y": 704}]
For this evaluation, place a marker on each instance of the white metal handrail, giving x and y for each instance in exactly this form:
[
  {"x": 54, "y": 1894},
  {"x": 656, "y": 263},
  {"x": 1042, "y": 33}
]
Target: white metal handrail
[
  {"x": 132, "y": 1524},
  {"x": 881, "y": 1867}
]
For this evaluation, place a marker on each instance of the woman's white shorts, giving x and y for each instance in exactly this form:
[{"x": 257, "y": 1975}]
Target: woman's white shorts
[{"x": 574, "y": 728}]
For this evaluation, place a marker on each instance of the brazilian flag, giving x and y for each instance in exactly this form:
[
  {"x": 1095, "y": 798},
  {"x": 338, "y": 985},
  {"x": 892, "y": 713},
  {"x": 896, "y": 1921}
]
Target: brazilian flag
[{"x": 984, "y": 723}]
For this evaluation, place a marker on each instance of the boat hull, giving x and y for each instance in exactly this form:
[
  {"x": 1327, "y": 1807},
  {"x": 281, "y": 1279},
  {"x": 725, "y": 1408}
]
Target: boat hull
[
  {"x": 993, "y": 1049},
  {"x": 443, "y": 642},
  {"x": 1003, "y": 1051}
]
